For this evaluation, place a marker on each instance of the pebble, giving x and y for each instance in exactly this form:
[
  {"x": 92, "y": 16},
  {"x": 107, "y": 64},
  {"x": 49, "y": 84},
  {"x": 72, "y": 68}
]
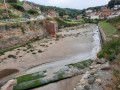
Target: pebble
[{"x": 98, "y": 80}]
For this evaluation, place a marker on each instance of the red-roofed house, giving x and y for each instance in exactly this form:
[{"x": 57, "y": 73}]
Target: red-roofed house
[
  {"x": 105, "y": 15},
  {"x": 96, "y": 16},
  {"x": 79, "y": 16}
]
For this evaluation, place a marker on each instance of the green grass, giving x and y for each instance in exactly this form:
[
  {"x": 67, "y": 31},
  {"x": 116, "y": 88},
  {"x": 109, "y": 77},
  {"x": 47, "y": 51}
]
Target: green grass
[
  {"x": 81, "y": 65},
  {"x": 108, "y": 28},
  {"x": 110, "y": 50}
]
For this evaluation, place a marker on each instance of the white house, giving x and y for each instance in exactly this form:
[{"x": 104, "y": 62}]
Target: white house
[
  {"x": 96, "y": 16},
  {"x": 116, "y": 7},
  {"x": 40, "y": 17},
  {"x": 88, "y": 11}
]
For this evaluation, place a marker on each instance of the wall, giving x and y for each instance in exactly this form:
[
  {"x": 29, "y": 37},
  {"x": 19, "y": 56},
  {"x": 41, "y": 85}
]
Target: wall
[
  {"x": 12, "y": 34},
  {"x": 102, "y": 34},
  {"x": 51, "y": 27}
]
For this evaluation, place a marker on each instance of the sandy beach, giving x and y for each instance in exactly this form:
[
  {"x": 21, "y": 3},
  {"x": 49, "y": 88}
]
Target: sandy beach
[{"x": 73, "y": 45}]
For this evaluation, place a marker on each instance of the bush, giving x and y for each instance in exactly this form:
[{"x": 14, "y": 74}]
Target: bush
[
  {"x": 33, "y": 12},
  {"x": 110, "y": 50},
  {"x": 15, "y": 25},
  {"x": 18, "y": 7},
  {"x": 23, "y": 29}
]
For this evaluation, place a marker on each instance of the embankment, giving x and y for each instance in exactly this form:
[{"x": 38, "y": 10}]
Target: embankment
[{"x": 12, "y": 34}]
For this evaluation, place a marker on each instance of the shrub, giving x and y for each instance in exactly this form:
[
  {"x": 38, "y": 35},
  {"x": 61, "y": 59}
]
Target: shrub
[
  {"x": 23, "y": 29},
  {"x": 15, "y": 25},
  {"x": 11, "y": 56},
  {"x": 33, "y": 12},
  {"x": 18, "y": 7},
  {"x": 110, "y": 50},
  {"x": 28, "y": 22}
]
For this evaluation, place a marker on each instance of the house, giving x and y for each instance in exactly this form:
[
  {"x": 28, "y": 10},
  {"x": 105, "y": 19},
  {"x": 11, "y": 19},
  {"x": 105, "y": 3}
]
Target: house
[
  {"x": 65, "y": 16},
  {"x": 116, "y": 7},
  {"x": 89, "y": 11},
  {"x": 26, "y": 6},
  {"x": 105, "y": 13},
  {"x": 114, "y": 14},
  {"x": 96, "y": 16},
  {"x": 41, "y": 17},
  {"x": 79, "y": 17}
]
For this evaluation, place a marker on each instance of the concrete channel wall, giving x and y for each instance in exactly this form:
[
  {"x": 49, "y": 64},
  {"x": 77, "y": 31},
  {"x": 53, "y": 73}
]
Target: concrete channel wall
[{"x": 102, "y": 35}]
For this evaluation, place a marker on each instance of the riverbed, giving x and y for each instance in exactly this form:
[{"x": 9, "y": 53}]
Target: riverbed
[{"x": 76, "y": 44}]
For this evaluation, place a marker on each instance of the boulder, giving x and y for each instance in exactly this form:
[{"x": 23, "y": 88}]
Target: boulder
[
  {"x": 91, "y": 80},
  {"x": 100, "y": 61}
]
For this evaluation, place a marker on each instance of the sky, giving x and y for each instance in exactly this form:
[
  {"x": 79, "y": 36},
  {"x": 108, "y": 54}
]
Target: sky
[{"x": 76, "y": 4}]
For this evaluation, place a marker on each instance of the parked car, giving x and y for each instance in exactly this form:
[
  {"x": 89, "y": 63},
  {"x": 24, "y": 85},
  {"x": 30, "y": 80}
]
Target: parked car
[{"x": 27, "y": 16}]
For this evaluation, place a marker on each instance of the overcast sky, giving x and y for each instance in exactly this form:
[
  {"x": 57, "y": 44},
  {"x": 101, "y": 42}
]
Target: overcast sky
[{"x": 77, "y": 4}]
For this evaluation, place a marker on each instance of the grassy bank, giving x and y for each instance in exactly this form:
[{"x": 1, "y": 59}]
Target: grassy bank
[
  {"x": 111, "y": 49},
  {"x": 108, "y": 28}
]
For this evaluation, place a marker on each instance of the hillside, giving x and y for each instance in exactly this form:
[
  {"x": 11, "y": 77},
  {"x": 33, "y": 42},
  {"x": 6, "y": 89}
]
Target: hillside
[{"x": 113, "y": 2}]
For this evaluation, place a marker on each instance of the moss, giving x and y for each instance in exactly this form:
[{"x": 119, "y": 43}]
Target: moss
[
  {"x": 60, "y": 75},
  {"x": 81, "y": 65},
  {"x": 11, "y": 56},
  {"x": 29, "y": 81}
]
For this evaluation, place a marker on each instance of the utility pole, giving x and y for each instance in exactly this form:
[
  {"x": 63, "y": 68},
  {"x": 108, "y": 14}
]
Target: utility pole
[{"x": 6, "y": 8}]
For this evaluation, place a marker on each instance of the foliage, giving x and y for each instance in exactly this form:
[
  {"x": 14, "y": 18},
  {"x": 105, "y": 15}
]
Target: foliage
[
  {"x": 14, "y": 25},
  {"x": 18, "y": 7},
  {"x": 110, "y": 49},
  {"x": 13, "y": 1},
  {"x": 62, "y": 11},
  {"x": 113, "y": 2},
  {"x": 108, "y": 28},
  {"x": 23, "y": 29},
  {"x": 115, "y": 21},
  {"x": 33, "y": 12},
  {"x": 62, "y": 23},
  {"x": 11, "y": 56}
]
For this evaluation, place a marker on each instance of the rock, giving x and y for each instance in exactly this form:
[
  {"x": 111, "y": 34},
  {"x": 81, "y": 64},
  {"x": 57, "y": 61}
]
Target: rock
[
  {"x": 9, "y": 85},
  {"x": 87, "y": 87},
  {"x": 98, "y": 80},
  {"x": 114, "y": 37},
  {"x": 105, "y": 68},
  {"x": 100, "y": 61},
  {"x": 92, "y": 72},
  {"x": 91, "y": 80}
]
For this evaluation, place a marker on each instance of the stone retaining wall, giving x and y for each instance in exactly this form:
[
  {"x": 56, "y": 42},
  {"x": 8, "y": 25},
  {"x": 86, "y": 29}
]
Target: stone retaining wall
[{"x": 12, "y": 34}]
